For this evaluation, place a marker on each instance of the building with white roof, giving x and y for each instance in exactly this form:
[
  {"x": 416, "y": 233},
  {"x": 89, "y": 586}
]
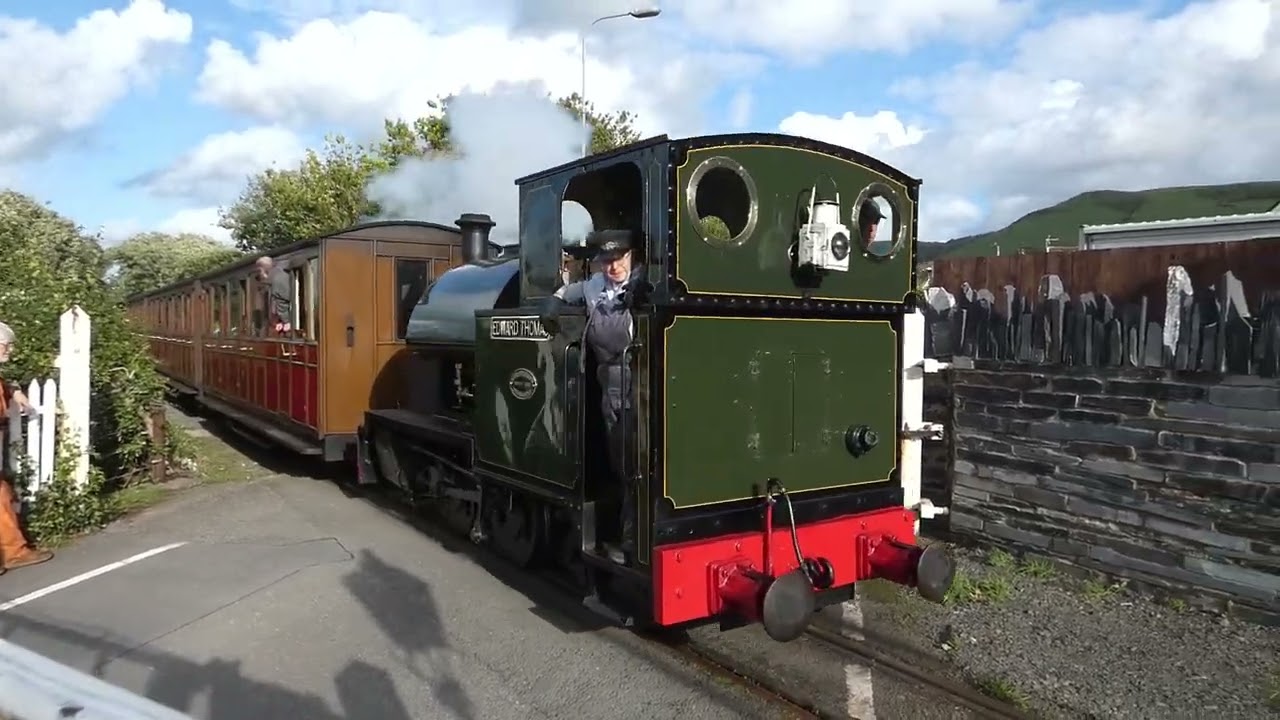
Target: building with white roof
[{"x": 1185, "y": 231}]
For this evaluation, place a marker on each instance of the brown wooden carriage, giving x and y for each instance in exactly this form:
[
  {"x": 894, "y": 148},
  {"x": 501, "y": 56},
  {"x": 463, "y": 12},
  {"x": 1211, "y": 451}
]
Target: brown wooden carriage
[{"x": 306, "y": 390}]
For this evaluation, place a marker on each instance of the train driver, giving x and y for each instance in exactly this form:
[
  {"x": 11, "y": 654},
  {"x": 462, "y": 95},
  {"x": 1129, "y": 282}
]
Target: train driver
[
  {"x": 608, "y": 333},
  {"x": 281, "y": 297},
  {"x": 869, "y": 221}
]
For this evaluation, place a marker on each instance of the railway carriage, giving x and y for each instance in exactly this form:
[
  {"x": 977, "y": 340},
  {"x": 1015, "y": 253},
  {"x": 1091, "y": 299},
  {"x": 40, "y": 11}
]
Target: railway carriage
[
  {"x": 775, "y": 455},
  {"x": 305, "y": 390}
]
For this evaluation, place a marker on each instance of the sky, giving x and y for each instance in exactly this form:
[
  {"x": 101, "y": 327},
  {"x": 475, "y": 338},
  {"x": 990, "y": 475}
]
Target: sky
[{"x": 132, "y": 115}]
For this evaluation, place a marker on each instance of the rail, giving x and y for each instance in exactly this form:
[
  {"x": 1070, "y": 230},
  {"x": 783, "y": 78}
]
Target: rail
[{"x": 33, "y": 687}]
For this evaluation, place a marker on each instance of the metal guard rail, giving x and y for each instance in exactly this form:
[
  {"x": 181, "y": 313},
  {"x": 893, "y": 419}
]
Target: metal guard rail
[{"x": 33, "y": 687}]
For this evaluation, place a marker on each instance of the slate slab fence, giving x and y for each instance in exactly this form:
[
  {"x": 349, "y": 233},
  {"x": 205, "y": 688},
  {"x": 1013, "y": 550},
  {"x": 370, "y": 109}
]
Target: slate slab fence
[
  {"x": 1209, "y": 329},
  {"x": 1136, "y": 436}
]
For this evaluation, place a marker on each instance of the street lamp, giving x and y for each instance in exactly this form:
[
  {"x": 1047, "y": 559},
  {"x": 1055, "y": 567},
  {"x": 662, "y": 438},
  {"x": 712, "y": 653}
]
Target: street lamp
[{"x": 639, "y": 14}]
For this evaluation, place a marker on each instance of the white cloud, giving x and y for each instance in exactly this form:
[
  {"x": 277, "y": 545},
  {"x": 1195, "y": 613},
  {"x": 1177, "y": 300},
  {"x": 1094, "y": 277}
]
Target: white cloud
[
  {"x": 195, "y": 220},
  {"x": 740, "y": 108},
  {"x": 815, "y": 30},
  {"x": 383, "y": 64},
  {"x": 203, "y": 220},
  {"x": 55, "y": 85},
  {"x": 1116, "y": 100},
  {"x": 943, "y": 217},
  {"x": 872, "y": 134},
  {"x": 217, "y": 169}
]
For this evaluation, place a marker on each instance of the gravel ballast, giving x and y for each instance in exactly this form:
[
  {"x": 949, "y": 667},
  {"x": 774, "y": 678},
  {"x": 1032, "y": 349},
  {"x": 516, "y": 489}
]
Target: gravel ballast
[{"x": 1070, "y": 648}]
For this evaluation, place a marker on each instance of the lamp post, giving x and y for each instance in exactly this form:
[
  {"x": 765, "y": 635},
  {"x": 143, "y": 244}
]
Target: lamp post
[{"x": 639, "y": 14}]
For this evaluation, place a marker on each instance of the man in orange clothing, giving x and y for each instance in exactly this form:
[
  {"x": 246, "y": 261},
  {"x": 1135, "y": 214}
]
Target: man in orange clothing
[{"x": 15, "y": 551}]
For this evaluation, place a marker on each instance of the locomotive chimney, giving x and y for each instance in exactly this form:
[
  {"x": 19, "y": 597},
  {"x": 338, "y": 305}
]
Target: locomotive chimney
[{"x": 475, "y": 236}]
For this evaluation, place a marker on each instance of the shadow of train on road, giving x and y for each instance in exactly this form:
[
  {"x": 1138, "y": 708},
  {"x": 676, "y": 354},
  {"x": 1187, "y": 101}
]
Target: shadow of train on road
[
  {"x": 177, "y": 682},
  {"x": 404, "y": 609},
  {"x": 548, "y": 603},
  {"x": 400, "y": 604}
]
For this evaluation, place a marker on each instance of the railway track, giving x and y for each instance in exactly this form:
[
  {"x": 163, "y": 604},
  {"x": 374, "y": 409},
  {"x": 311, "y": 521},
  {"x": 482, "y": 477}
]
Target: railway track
[
  {"x": 963, "y": 695},
  {"x": 873, "y": 650}
]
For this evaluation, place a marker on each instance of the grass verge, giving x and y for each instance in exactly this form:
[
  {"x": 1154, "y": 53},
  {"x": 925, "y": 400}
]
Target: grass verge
[
  {"x": 997, "y": 582},
  {"x": 208, "y": 460},
  {"x": 1004, "y": 691},
  {"x": 1272, "y": 691}
]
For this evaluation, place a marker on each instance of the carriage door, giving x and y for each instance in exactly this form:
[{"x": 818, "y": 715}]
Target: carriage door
[{"x": 347, "y": 305}]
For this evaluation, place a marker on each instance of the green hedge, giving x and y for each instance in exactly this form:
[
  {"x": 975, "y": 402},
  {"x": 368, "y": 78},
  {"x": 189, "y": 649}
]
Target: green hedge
[{"x": 47, "y": 265}]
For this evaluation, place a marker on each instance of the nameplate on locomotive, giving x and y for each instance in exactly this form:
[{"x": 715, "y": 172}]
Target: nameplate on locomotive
[{"x": 527, "y": 327}]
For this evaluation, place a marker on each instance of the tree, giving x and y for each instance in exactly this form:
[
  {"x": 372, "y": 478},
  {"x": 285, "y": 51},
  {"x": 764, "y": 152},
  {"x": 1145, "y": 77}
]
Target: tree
[
  {"x": 49, "y": 265},
  {"x": 609, "y": 130},
  {"x": 150, "y": 260},
  {"x": 326, "y": 192},
  {"x": 430, "y": 134}
]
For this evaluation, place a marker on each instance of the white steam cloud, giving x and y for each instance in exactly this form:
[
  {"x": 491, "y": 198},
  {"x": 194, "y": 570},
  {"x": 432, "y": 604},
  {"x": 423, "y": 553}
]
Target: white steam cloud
[{"x": 512, "y": 131}]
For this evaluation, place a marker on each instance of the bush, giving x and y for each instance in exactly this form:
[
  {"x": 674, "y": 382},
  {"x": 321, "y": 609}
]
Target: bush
[{"x": 47, "y": 265}]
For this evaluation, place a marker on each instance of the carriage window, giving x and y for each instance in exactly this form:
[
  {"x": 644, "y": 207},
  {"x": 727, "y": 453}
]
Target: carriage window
[
  {"x": 235, "y": 308},
  {"x": 215, "y": 321},
  {"x": 412, "y": 277},
  {"x": 310, "y": 321},
  {"x": 261, "y": 302},
  {"x": 298, "y": 299}
]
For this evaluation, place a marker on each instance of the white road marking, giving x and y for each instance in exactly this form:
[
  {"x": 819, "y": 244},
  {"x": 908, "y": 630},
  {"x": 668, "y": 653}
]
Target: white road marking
[
  {"x": 36, "y": 595},
  {"x": 857, "y": 677}
]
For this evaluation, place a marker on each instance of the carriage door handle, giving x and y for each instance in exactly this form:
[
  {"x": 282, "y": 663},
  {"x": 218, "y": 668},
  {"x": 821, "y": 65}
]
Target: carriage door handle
[{"x": 351, "y": 331}]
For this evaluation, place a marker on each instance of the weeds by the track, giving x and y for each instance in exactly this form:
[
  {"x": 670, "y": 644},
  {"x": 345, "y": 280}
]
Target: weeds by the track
[
  {"x": 997, "y": 582},
  {"x": 1272, "y": 690},
  {"x": 1004, "y": 691}
]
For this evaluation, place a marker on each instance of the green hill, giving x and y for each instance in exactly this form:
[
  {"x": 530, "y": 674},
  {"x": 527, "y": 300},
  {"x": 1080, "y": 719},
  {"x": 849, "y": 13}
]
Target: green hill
[{"x": 1099, "y": 207}]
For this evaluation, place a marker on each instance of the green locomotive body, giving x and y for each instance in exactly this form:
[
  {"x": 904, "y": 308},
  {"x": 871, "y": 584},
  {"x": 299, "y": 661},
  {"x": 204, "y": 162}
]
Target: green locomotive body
[{"x": 772, "y": 452}]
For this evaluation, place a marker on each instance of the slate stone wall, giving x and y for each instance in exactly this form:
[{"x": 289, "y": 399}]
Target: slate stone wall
[
  {"x": 1089, "y": 431},
  {"x": 935, "y": 455}
]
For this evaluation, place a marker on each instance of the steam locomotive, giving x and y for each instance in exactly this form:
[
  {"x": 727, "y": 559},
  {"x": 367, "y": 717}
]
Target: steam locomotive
[{"x": 778, "y": 360}]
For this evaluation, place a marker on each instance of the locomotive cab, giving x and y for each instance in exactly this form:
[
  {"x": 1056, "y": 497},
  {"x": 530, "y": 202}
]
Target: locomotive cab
[{"x": 551, "y": 400}]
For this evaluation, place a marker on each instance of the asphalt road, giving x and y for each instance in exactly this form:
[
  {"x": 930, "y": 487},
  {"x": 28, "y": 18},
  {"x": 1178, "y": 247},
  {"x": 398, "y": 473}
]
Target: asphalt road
[
  {"x": 290, "y": 600},
  {"x": 286, "y": 597}
]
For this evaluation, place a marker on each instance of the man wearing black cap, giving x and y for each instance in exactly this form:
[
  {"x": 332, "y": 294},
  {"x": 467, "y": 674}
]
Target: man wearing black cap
[
  {"x": 869, "y": 221},
  {"x": 608, "y": 333}
]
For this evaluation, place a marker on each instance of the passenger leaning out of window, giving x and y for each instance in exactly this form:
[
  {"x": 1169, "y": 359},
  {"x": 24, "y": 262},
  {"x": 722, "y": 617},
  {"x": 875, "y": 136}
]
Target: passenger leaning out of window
[
  {"x": 15, "y": 551},
  {"x": 281, "y": 294}
]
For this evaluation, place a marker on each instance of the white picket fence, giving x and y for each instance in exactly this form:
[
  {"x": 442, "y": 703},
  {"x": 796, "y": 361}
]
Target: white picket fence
[{"x": 61, "y": 403}]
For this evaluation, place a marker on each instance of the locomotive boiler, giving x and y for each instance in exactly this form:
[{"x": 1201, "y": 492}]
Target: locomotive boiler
[{"x": 775, "y": 459}]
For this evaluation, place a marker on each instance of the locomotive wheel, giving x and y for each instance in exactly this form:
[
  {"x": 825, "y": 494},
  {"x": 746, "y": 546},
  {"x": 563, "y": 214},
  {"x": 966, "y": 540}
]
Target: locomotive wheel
[
  {"x": 515, "y": 532},
  {"x": 457, "y": 515}
]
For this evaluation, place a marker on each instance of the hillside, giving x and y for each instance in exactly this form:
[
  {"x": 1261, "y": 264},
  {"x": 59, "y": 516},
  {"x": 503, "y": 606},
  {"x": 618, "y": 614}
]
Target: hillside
[{"x": 1098, "y": 207}]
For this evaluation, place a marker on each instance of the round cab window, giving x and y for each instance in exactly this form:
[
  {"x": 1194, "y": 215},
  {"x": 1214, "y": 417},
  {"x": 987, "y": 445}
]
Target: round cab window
[
  {"x": 722, "y": 202},
  {"x": 878, "y": 221}
]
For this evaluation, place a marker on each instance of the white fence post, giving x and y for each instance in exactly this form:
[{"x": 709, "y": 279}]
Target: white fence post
[
  {"x": 75, "y": 334},
  {"x": 15, "y": 449},
  {"x": 35, "y": 434},
  {"x": 32, "y": 429}
]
